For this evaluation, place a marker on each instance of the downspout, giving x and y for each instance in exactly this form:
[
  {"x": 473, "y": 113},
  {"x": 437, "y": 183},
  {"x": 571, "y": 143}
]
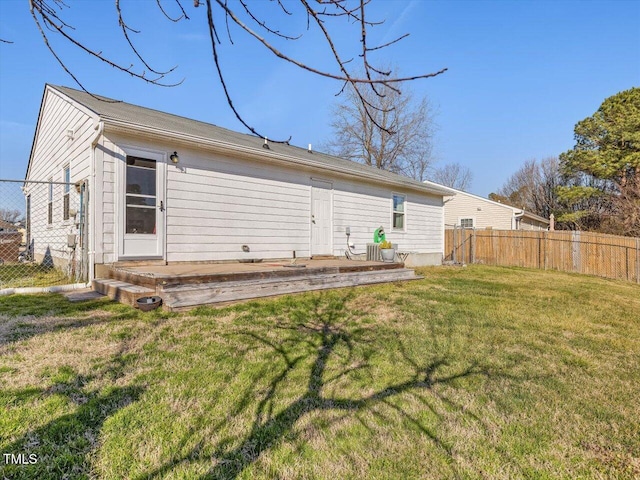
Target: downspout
[
  {"x": 99, "y": 128},
  {"x": 516, "y": 217}
]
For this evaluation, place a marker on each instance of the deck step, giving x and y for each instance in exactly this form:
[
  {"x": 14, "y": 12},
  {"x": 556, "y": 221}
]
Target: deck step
[
  {"x": 120, "y": 291},
  {"x": 190, "y": 295}
]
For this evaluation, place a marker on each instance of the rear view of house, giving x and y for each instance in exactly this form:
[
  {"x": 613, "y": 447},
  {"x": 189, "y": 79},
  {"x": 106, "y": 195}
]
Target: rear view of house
[{"x": 131, "y": 184}]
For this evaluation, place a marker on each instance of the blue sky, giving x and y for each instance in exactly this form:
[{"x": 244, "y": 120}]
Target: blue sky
[{"x": 521, "y": 73}]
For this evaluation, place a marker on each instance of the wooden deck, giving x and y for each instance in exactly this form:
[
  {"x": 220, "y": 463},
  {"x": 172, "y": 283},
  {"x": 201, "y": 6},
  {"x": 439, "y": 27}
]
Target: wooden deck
[{"x": 184, "y": 286}]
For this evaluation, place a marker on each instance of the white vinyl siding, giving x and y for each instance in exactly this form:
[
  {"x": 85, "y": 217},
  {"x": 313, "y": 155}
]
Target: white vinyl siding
[
  {"x": 105, "y": 198},
  {"x": 212, "y": 213},
  {"x": 487, "y": 214},
  {"x": 364, "y": 208},
  {"x": 62, "y": 139},
  {"x": 215, "y": 204},
  {"x": 532, "y": 224},
  {"x": 53, "y": 148}
]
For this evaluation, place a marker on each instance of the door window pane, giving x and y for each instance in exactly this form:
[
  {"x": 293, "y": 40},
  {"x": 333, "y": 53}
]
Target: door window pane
[
  {"x": 141, "y": 220},
  {"x": 141, "y": 162},
  {"x": 141, "y": 180}
]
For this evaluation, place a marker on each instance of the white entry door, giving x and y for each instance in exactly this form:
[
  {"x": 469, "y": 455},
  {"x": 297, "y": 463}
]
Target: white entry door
[
  {"x": 321, "y": 218},
  {"x": 142, "y": 224}
]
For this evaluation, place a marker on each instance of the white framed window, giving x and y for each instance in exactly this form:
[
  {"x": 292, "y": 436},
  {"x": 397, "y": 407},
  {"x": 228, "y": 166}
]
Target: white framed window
[
  {"x": 399, "y": 213},
  {"x": 66, "y": 177},
  {"x": 466, "y": 222},
  {"x": 50, "y": 204}
]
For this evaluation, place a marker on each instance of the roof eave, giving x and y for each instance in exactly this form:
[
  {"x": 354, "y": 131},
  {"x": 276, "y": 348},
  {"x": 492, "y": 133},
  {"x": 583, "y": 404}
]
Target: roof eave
[
  {"x": 538, "y": 218},
  {"x": 261, "y": 154}
]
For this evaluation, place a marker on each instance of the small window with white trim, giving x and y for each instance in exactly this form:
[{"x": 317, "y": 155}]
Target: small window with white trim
[
  {"x": 66, "y": 175},
  {"x": 50, "y": 204},
  {"x": 466, "y": 222},
  {"x": 399, "y": 212}
]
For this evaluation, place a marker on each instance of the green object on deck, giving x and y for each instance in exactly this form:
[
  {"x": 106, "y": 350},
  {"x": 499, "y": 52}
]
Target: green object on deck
[{"x": 378, "y": 235}]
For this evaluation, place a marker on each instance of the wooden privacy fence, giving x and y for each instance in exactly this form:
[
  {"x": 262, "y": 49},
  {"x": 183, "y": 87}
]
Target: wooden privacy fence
[{"x": 590, "y": 253}]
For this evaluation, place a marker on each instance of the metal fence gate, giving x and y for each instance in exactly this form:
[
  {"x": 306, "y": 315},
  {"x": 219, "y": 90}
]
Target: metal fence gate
[{"x": 43, "y": 233}]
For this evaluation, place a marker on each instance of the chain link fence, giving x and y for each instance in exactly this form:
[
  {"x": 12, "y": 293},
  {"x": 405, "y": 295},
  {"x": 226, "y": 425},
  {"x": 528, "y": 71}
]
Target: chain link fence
[{"x": 42, "y": 233}]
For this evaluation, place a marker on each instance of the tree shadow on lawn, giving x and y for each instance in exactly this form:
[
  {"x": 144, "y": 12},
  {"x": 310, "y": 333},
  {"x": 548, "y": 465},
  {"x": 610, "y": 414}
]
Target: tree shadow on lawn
[
  {"x": 326, "y": 330},
  {"x": 63, "y": 447}
]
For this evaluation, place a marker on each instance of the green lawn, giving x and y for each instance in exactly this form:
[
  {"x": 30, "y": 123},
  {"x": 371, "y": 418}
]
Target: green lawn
[
  {"x": 476, "y": 372},
  {"x": 16, "y": 274}
]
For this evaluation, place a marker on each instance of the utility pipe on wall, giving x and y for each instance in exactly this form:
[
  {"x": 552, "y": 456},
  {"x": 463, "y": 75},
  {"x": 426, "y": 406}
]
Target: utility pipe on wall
[{"x": 99, "y": 128}]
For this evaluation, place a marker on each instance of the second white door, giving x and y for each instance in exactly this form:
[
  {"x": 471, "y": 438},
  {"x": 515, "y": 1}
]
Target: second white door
[{"x": 321, "y": 218}]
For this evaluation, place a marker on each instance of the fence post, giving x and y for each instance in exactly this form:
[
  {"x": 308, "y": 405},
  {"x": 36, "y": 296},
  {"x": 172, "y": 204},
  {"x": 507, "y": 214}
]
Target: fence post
[
  {"x": 464, "y": 245},
  {"x": 575, "y": 251},
  {"x": 546, "y": 247},
  {"x": 454, "y": 245},
  {"x": 493, "y": 246},
  {"x": 539, "y": 251},
  {"x": 637, "y": 260},
  {"x": 473, "y": 245}
]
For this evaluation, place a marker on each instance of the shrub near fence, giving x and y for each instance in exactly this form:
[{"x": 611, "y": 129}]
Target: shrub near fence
[{"x": 590, "y": 253}]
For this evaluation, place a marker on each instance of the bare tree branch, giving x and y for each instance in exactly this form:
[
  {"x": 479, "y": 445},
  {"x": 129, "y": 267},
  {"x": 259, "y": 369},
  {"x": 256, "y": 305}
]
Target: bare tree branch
[
  {"x": 11, "y": 216},
  {"x": 125, "y": 29},
  {"x": 53, "y": 21},
  {"x": 406, "y": 151},
  {"x": 175, "y": 20},
  {"x": 213, "y": 35},
  {"x": 322, "y": 14},
  {"x": 263, "y": 24},
  {"x": 402, "y": 37},
  {"x": 454, "y": 175}
]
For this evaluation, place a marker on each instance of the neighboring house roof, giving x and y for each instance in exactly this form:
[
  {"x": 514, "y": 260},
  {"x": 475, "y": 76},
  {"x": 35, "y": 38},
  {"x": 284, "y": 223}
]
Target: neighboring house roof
[
  {"x": 515, "y": 210},
  {"x": 122, "y": 114}
]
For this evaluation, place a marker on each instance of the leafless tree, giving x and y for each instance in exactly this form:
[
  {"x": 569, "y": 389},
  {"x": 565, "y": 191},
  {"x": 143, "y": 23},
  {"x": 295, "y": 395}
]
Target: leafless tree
[
  {"x": 453, "y": 175},
  {"x": 534, "y": 186},
  {"x": 10, "y": 216},
  {"x": 241, "y": 17},
  {"x": 398, "y": 137}
]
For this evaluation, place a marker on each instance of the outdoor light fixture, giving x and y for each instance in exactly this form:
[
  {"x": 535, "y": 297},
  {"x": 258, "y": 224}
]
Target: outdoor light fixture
[{"x": 174, "y": 157}]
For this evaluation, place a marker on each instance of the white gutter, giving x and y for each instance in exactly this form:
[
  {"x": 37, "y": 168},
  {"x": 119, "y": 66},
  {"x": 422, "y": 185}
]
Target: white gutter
[
  {"x": 516, "y": 217},
  {"x": 261, "y": 154},
  {"x": 99, "y": 128}
]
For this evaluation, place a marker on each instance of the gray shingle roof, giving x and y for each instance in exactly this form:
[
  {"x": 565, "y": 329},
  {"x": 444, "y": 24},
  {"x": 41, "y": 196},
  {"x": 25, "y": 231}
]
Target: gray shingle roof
[{"x": 119, "y": 111}]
